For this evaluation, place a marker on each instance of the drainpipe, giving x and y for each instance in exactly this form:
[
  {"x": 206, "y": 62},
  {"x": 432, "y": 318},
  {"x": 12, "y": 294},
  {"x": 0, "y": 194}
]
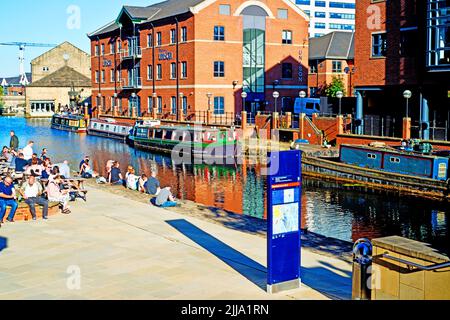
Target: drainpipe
[
  {"x": 177, "y": 67},
  {"x": 99, "y": 71},
  {"x": 153, "y": 60}
]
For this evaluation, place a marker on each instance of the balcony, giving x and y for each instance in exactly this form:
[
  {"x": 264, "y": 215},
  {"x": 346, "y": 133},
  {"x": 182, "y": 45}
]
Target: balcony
[
  {"x": 131, "y": 84},
  {"x": 131, "y": 53}
]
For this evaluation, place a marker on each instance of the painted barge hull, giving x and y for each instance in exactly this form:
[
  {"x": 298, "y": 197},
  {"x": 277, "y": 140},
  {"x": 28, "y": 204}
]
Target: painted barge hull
[
  {"x": 105, "y": 134},
  {"x": 228, "y": 152},
  {"x": 375, "y": 179},
  {"x": 68, "y": 128}
]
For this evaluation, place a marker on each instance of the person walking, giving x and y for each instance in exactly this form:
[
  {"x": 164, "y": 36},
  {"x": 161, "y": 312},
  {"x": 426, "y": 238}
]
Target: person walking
[
  {"x": 31, "y": 191},
  {"x": 7, "y": 199},
  {"x": 14, "y": 142}
]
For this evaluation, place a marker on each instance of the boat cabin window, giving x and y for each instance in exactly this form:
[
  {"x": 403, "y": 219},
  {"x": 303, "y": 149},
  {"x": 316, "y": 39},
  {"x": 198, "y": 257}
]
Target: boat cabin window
[
  {"x": 102, "y": 127},
  {"x": 158, "y": 134},
  {"x": 168, "y": 135},
  {"x": 124, "y": 130},
  {"x": 442, "y": 173},
  {"x": 142, "y": 133},
  {"x": 95, "y": 125},
  {"x": 179, "y": 135},
  {"x": 57, "y": 120},
  {"x": 107, "y": 127},
  {"x": 394, "y": 160},
  {"x": 371, "y": 156}
]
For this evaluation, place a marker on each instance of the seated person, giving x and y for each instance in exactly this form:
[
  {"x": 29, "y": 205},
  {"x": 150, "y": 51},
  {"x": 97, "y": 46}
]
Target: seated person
[
  {"x": 153, "y": 186},
  {"x": 20, "y": 163},
  {"x": 64, "y": 169},
  {"x": 35, "y": 168},
  {"x": 44, "y": 154},
  {"x": 165, "y": 199},
  {"x": 7, "y": 199},
  {"x": 86, "y": 171},
  {"x": 34, "y": 156},
  {"x": 31, "y": 190},
  {"x": 55, "y": 194},
  {"x": 142, "y": 183},
  {"x": 131, "y": 178},
  {"x": 82, "y": 161},
  {"x": 115, "y": 176},
  {"x": 7, "y": 155},
  {"x": 109, "y": 165},
  {"x": 47, "y": 171}
]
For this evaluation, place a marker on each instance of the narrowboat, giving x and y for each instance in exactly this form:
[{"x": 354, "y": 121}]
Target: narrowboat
[
  {"x": 201, "y": 143},
  {"x": 109, "y": 128},
  {"x": 67, "y": 122},
  {"x": 414, "y": 164}
]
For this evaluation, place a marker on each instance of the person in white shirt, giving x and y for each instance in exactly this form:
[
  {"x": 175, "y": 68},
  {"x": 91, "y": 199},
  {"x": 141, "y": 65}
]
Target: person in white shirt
[
  {"x": 64, "y": 169},
  {"x": 31, "y": 191},
  {"x": 28, "y": 151}
]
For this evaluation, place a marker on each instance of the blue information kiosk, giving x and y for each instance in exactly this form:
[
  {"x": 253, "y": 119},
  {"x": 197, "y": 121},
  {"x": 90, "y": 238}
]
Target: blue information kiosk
[{"x": 284, "y": 221}]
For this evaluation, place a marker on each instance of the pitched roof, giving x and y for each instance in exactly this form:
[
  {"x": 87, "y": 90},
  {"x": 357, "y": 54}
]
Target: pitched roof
[
  {"x": 64, "y": 77},
  {"x": 15, "y": 80},
  {"x": 335, "y": 45},
  {"x": 157, "y": 11}
]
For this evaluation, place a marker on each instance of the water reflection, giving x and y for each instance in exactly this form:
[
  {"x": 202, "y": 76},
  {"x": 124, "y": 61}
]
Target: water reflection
[{"x": 328, "y": 210}]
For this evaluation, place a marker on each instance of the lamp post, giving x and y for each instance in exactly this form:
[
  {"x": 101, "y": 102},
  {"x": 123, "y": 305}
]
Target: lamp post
[
  {"x": 244, "y": 96},
  {"x": 340, "y": 95},
  {"x": 302, "y": 94},
  {"x": 276, "y": 95},
  {"x": 133, "y": 101},
  {"x": 407, "y": 95}
]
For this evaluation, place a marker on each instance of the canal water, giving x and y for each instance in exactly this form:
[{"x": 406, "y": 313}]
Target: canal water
[{"x": 329, "y": 209}]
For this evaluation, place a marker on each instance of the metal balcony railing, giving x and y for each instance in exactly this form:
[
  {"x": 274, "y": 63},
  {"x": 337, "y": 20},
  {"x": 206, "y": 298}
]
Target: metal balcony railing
[
  {"x": 130, "y": 84},
  {"x": 131, "y": 53}
]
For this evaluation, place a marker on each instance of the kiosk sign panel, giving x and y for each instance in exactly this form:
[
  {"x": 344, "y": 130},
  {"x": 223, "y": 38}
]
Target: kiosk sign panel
[{"x": 284, "y": 221}]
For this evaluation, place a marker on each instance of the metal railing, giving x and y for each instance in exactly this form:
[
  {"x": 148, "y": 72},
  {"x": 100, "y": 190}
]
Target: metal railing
[
  {"x": 130, "y": 84},
  {"x": 416, "y": 265},
  {"x": 130, "y": 53},
  {"x": 226, "y": 119}
]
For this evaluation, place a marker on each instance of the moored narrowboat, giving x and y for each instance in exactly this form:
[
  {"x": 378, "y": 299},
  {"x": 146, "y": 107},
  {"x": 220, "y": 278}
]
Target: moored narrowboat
[
  {"x": 201, "y": 143},
  {"x": 392, "y": 160},
  {"x": 67, "y": 122},
  {"x": 109, "y": 128}
]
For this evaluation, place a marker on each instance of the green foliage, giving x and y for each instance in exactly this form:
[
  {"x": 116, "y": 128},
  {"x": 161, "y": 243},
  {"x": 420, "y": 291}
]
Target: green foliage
[{"x": 337, "y": 84}]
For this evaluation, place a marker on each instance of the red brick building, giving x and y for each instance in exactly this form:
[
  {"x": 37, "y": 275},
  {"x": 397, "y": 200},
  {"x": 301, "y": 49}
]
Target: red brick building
[
  {"x": 403, "y": 45},
  {"x": 182, "y": 57}
]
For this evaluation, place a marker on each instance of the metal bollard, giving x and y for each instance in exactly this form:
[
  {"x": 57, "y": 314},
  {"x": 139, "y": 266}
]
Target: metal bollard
[{"x": 362, "y": 261}]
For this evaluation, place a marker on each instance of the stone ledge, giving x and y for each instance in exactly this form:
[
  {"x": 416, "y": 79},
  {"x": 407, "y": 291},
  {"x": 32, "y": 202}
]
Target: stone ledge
[
  {"x": 23, "y": 211},
  {"x": 410, "y": 248}
]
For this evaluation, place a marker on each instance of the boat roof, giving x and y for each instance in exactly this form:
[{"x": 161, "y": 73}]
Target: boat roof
[
  {"x": 69, "y": 116},
  {"x": 181, "y": 128},
  {"x": 113, "y": 122},
  {"x": 391, "y": 150}
]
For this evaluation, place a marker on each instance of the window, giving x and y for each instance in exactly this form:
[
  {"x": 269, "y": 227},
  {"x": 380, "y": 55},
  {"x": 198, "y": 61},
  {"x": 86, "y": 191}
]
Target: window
[
  {"x": 113, "y": 76},
  {"x": 219, "y": 105},
  {"x": 158, "y": 39},
  {"x": 282, "y": 14},
  {"x": 320, "y": 25},
  {"x": 150, "y": 40},
  {"x": 219, "y": 69},
  {"x": 225, "y": 9},
  {"x": 112, "y": 47},
  {"x": 219, "y": 33},
  {"x": 45, "y": 69},
  {"x": 158, "y": 72},
  {"x": 173, "y": 70},
  {"x": 319, "y": 14},
  {"x": 97, "y": 52},
  {"x": 183, "y": 34},
  {"x": 173, "y": 105},
  {"x": 371, "y": 156},
  {"x": 103, "y": 76},
  {"x": 337, "y": 67},
  {"x": 379, "y": 45},
  {"x": 149, "y": 72},
  {"x": 313, "y": 66},
  {"x": 173, "y": 36},
  {"x": 184, "y": 70},
  {"x": 184, "y": 102},
  {"x": 103, "y": 49},
  {"x": 160, "y": 105},
  {"x": 394, "y": 160},
  {"x": 286, "y": 71},
  {"x": 119, "y": 78},
  {"x": 150, "y": 104},
  {"x": 287, "y": 37},
  {"x": 408, "y": 42},
  {"x": 113, "y": 102},
  {"x": 119, "y": 46}
]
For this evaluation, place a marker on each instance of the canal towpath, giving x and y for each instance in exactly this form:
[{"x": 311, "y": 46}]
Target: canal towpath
[{"x": 127, "y": 249}]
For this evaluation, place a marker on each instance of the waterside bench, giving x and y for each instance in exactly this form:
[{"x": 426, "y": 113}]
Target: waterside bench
[{"x": 23, "y": 211}]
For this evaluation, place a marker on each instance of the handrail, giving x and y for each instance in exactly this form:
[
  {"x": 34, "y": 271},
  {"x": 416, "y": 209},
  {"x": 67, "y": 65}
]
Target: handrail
[{"x": 416, "y": 265}]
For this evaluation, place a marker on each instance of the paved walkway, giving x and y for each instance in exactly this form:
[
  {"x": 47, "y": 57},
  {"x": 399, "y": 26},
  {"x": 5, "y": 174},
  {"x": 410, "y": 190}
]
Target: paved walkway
[{"x": 123, "y": 249}]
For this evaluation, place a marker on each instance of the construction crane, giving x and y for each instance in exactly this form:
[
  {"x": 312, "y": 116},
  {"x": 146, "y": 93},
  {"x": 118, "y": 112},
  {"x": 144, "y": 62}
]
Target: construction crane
[{"x": 22, "y": 45}]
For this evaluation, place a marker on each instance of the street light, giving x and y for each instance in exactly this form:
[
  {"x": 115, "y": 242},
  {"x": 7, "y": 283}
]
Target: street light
[
  {"x": 302, "y": 94},
  {"x": 340, "y": 95},
  {"x": 407, "y": 95},
  {"x": 244, "y": 96},
  {"x": 133, "y": 101},
  {"x": 276, "y": 95}
]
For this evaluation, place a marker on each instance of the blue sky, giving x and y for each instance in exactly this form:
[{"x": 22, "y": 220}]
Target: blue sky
[{"x": 46, "y": 21}]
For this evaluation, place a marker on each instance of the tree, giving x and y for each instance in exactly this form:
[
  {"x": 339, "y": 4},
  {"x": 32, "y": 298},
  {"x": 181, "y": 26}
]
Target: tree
[{"x": 337, "y": 84}]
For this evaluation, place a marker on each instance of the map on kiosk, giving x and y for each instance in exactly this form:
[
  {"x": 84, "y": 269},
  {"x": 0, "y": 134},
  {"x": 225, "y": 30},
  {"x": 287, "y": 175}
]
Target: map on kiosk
[{"x": 286, "y": 215}]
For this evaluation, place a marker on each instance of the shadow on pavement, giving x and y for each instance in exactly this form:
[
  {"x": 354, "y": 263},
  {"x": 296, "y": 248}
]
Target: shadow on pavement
[
  {"x": 3, "y": 243},
  {"x": 329, "y": 280},
  {"x": 247, "y": 267}
]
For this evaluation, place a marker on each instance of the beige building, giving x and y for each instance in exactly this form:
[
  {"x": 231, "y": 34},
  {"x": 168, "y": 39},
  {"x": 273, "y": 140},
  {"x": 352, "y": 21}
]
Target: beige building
[{"x": 55, "y": 73}]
